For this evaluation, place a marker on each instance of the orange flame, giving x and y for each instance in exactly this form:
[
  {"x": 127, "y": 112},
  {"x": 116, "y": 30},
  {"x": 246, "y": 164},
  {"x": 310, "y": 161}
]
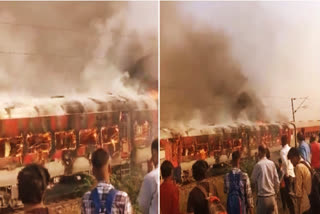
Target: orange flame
[{"x": 154, "y": 94}]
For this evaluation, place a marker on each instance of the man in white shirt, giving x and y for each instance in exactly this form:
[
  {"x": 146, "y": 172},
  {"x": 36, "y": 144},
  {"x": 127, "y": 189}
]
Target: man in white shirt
[
  {"x": 289, "y": 175},
  {"x": 148, "y": 195},
  {"x": 265, "y": 177}
]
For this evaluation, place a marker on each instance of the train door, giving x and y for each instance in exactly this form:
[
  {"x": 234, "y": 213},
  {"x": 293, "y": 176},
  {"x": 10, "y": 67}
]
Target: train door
[
  {"x": 124, "y": 135},
  {"x": 143, "y": 130},
  {"x": 202, "y": 145},
  {"x": 188, "y": 148}
]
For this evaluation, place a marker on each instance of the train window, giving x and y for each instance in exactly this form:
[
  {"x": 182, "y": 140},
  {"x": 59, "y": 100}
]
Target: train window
[
  {"x": 65, "y": 140},
  {"x": 11, "y": 146},
  {"x": 110, "y": 139},
  {"x": 39, "y": 142},
  {"x": 142, "y": 133},
  {"x": 88, "y": 136}
]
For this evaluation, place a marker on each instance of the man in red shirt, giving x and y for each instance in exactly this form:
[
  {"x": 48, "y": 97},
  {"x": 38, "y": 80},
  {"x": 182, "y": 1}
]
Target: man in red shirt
[
  {"x": 315, "y": 153},
  {"x": 169, "y": 192}
]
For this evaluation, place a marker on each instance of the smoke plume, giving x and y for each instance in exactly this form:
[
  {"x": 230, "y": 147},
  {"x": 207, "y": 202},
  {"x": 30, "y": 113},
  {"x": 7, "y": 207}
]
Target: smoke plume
[
  {"x": 277, "y": 45},
  {"x": 62, "y": 48},
  {"x": 78, "y": 50},
  {"x": 199, "y": 76}
]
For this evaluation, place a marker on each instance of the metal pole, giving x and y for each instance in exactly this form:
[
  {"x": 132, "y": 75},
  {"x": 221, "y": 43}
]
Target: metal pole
[{"x": 294, "y": 120}]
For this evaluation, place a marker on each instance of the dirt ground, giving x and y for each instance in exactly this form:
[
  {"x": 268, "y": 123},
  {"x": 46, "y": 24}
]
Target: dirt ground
[{"x": 62, "y": 207}]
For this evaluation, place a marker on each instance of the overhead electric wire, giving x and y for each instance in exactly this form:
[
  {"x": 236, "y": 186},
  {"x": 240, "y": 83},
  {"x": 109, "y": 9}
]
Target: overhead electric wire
[
  {"x": 54, "y": 28},
  {"x": 40, "y": 27},
  {"x": 46, "y": 54}
]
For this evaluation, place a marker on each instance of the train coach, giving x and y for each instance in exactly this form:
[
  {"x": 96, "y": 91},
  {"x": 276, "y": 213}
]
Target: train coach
[
  {"x": 183, "y": 146},
  {"x": 64, "y": 143}
]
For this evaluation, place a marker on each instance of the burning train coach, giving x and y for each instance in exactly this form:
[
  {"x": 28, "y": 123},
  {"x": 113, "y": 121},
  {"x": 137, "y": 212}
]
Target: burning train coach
[
  {"x": 63, "y": 143},
  {"x": 214, "y": 141}
]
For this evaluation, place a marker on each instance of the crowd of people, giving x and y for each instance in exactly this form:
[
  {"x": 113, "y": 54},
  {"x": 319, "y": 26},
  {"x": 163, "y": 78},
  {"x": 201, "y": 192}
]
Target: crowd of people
[
  {"x": 295, "y": 179},
  {"x": 104, "y": 198}
]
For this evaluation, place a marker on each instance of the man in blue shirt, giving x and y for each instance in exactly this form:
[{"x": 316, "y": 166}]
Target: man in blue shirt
[{"x": 304, "y": 148}]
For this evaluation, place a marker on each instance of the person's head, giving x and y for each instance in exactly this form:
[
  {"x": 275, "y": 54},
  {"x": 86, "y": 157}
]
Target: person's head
[
  {"x": 166, "y": 169},
  {"x": 154, "y": 152},
  {"x": 312, "y": 138},
  {"x": 300, "y": 137},
  {"x": 294, "y": 156},
  {"x": 262, "y": 151},
  {"x": 284, "y": 140},
  {"x": 101, "y": 168},
  {"x": 268, "y": 155},
  {"x": 236, "y": 158},
  {"x": 199, "y": 170},
  {"x": 32, "y": 184}
]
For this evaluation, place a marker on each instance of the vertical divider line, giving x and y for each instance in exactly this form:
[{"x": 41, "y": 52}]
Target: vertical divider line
[{"x": 159, "y": 105}]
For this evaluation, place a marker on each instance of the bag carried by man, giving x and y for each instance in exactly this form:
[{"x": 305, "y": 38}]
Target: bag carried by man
[
  {"x": 214, "y": 204},
  {"x": 314, "y": 196},
  {"x": 235, "y": 200},
  {"x": 103, "y": 208}
]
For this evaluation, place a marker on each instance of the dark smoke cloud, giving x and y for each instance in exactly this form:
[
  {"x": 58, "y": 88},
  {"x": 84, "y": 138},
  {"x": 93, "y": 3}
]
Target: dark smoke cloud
[
  {"x": 143, "y": 72},
  {"x": 199, "y": 76},
  {"x": 75, "y": 47}
]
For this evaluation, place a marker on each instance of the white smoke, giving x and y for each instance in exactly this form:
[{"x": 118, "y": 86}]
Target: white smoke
[{"x": 75, "y": 49}]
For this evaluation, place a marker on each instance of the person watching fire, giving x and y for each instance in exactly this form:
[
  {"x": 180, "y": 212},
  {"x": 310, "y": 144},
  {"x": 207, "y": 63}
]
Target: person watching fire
[
  {"x": 304, "y": 148},
  {"x": 32, "y": 184},
  {"x": 289, "y": 174},
  {"x": 148, "y": 195},
  {"x": 169, "y": 192},
  {"x": 104, "y": 198}
]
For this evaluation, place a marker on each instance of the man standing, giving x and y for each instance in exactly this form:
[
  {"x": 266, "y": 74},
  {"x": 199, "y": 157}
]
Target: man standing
[
  {"x": 148, "y": 195},
  {"x": 289, "y": 175},
  {"x": 265, "y": 177},
  {"x": 303, "y": 182},
  {"x": 304, "y": 148},
  {"x": 169, "y": 192},
  {"x": 197, "y": 200},
  {"x": 104, "y": 198},
  {"x": 315, "y": 153},
  {"x": 237, "y": 186},
  {"x": 32, "y": 184}
]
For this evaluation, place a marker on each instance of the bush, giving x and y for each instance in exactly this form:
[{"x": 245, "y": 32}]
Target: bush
[
  {"x": 130, "y": 184},
  {"x": 247, "y": 166}
]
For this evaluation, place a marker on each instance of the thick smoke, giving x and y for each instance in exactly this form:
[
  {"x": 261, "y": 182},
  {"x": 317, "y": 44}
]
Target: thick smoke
[
  {"x": 62, "y": 48},
  {"x": 199, "y": 76},
  {"x": 277, "y": 44}
]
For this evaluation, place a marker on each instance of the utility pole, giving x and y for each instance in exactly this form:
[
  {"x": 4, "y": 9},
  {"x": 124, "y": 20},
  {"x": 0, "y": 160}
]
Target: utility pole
[
  {"x": 293, "y": 116},
  {"x": 295, "y": 110},
  {"x": 292, "y": 99}
]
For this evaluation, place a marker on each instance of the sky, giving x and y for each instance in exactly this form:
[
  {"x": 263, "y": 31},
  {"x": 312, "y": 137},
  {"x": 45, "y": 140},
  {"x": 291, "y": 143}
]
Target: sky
[{"x": 277, "y": 45}]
